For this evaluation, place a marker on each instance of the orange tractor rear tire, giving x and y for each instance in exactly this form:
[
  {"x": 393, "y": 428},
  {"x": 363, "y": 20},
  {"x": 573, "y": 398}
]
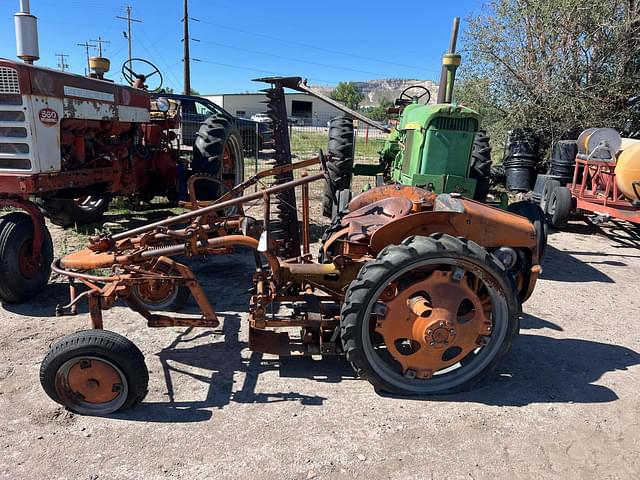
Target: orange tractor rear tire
[{"x": 433, "y": 315}]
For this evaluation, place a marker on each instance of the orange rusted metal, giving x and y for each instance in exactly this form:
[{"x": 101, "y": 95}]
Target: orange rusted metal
[
  {"x": 96, "y": 381},
  {"x": 429, "y": 318},
  {"x": 487, "y": 226},
  {"x": 419, "y": 197}
]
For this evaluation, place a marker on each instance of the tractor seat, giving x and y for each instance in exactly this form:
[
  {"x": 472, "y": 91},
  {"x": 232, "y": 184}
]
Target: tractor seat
[{"x": 363, "y": 222}]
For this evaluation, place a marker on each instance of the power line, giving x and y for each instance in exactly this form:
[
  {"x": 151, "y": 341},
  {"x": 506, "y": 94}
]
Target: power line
[
  {"x": 87, "y": 46},
  {"x": 322, "y": 49},
  {"x": 62, "y": 63},
  {"x": 100, "y": 42},
  {"x": 299, "y": 60},
  {"x": 174, "y": 79},
  {"x": 128, "y": 32},
  {"x": 269, "y": 72}
]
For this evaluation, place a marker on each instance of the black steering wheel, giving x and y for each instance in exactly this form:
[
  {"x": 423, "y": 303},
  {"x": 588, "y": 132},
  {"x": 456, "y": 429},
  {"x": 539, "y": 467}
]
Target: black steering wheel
[
  {"x": 130, "y": 70},
  {"x": 426, "y": 92}
]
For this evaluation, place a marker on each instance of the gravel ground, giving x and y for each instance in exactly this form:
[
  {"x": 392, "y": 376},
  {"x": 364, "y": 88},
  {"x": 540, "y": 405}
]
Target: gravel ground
[{"x": 564, "y": 405}]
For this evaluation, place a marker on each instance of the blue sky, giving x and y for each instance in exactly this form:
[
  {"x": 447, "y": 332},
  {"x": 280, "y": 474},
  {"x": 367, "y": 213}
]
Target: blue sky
[{"x": 326, "y": 41}]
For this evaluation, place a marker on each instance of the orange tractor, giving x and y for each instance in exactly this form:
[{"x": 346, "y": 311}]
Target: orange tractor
[{"x": 421, "y": 291}]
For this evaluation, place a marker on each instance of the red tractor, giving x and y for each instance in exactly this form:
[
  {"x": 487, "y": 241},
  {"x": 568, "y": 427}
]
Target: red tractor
[{"x": 68, "y": 143}]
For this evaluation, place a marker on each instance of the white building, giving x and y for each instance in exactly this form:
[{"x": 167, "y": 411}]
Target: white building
[{"x": 302, "y": 109}]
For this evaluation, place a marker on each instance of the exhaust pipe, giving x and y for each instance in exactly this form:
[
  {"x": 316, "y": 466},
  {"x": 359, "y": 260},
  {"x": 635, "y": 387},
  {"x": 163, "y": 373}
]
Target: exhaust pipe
[
  {"x": 450, "y": 62},
  {"x": 26, "y": 34}
]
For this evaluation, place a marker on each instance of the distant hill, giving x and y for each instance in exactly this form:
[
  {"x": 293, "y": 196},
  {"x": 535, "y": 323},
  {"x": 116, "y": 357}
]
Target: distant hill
[{"x": 375, "y": 90}]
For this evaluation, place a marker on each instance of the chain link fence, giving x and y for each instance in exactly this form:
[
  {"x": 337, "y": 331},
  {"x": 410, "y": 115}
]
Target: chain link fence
[{"x": 306, "y": 141}]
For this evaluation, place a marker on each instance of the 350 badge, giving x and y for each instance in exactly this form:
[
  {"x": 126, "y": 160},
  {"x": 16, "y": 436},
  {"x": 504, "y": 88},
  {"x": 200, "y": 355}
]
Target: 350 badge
[{"x": 48, "y": 116}]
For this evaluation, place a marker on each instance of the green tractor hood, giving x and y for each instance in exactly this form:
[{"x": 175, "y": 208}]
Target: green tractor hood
[{"x": 433, "y": 146}]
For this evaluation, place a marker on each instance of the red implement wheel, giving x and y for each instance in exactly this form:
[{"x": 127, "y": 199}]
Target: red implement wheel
[{"x": 161, "y": 294}]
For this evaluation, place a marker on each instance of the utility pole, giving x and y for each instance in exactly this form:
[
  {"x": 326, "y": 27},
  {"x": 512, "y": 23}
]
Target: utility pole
[
  {"x": 100, "y": 42},
  {"x": 185, "y": 41},
  {"x": 62, "y": 62},
  {"x": 128, "y": 19},
  {"x": 86, "y": 47}
]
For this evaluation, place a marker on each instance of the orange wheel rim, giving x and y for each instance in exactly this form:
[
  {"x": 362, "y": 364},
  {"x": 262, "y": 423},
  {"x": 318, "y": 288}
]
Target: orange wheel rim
[
  {"x": 435, "y": 322},
  {"x": 228, "y": 167},
  {"x": 155, "y": 291},
  {"x": 94, "y": 380},
  {"x": 28, "y": 265}
]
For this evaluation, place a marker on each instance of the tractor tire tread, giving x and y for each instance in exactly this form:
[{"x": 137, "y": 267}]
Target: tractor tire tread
[{"x": 389, "y": 258}]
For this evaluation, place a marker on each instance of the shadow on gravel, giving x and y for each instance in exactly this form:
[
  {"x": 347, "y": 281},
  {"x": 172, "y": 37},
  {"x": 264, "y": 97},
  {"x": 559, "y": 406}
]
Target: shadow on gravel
[
  {"x": 549, "y": 370},
  {"x": 44, "y": 304},
  {"x": 623, "y": 234},
  {"x": 531, "y": 322},
  {"x": 560, "y": 266},
  {"x": 224, "y": 360}
]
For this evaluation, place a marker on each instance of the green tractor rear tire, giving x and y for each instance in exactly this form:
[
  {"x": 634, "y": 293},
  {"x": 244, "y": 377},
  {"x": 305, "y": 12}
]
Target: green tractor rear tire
[
  {"x": 340, "y": 163},
  {"x": 480, "y": 169}
]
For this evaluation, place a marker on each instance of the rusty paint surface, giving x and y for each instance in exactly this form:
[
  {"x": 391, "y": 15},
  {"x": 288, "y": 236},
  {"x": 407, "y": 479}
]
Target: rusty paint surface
[
  {"x": 95, "y": 380},
  {"x": 419, "y": 197},
  {"x": 418, "y": 330},
  {"x": 487, "y": 226}
]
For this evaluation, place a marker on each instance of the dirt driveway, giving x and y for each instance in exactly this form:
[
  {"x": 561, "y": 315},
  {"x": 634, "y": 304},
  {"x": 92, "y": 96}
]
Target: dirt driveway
[{"x": 565, "y": 404}]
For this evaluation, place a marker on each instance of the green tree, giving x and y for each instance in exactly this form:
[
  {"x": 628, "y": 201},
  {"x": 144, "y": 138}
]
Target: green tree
[
  {"x": 552, "y": 65},
  {"x": 379, "y": 112},
  {"x": 348, "y": 93},
  {"x": 195, "y": 92}
]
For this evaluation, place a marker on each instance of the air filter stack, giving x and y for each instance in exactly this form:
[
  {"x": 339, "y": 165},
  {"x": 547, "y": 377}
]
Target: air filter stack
[{"x": 522, "y": 153}]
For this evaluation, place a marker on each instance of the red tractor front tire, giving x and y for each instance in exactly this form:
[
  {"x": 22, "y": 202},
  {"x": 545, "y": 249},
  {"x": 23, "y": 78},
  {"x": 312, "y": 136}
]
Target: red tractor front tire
[{"x": 21, "y": 275}]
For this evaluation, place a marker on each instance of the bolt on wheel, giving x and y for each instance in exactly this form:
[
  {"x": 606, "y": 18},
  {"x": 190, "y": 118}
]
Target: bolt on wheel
[
  {"x": 94, "y": 372},
  {"x": 91, "y": 385},
  {"x": 433, "y": 315}
]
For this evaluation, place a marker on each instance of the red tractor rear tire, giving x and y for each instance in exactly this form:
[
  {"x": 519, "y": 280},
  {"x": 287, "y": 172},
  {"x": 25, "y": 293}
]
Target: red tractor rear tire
[{"x": 22, "y": 278}]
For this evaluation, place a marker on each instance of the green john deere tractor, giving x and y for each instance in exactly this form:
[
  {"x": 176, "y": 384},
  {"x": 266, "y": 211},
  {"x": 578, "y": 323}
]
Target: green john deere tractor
[{"x": 437, "y": 147}]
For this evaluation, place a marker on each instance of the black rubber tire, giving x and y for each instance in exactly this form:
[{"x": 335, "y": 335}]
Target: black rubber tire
[
  {"x": 559, "y": 208},
  {"x": 391, "y": 263},
  {"x": 214, "y": 134},
  {"x": 174, "y": 302},
  {"x": 65, "y": 212},
  {"x": 102, "y": 344},
  {"x": 480, "y": 168},
  {"x": 497, "y": 177},
  {"x": 16, "y": 230},
  {"x": 536, "y": 216},
  {"x": 545, "y": 196},
  {"x": 340, "y": 165}
]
